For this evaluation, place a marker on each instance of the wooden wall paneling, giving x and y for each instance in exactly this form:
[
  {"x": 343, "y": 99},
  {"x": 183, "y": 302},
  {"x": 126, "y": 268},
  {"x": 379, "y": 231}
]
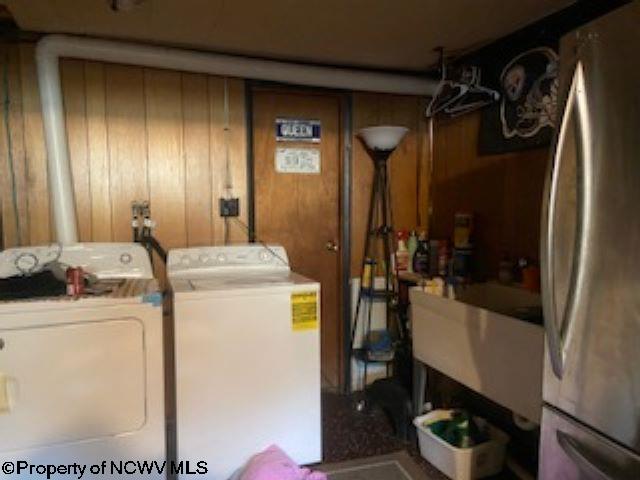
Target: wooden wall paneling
[
  {"x": 98, "y": 153},
  {"x": 403, "y": 164},
  {"x": 424, "y": 167},
  {"x": 238, "y": 156},
  {"x": 232, "y": 144},
  {"x": 74, "y": 96},
  {"x": 524, "y": 184},
  {"x": 38, "y": 212},
  {"x": 9, "y": 227},
  {"x": 163, "y": 141},
  {"x": 365, "y": 113},
  {"x": 502, "y": 191},
  {"x": 127, "y": 140},
  {"x": 454, "y": 151},
  {"x": 198, "y": 175},
  {"x": 217, "y": 154},
  {"x": 16, "y": 122},
  {"x": 165, "y": 158},
  {"x": 14, "y": 202},
  {"x": 268, "y": 219}
]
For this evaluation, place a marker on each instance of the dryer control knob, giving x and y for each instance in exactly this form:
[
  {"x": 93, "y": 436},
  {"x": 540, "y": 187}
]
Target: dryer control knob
[
  {"x": 126, "y": 258},
  {"x": 204, "y": 258},
  {"x": 221, "y": 258},
  {"x": 26, "y": 262}
]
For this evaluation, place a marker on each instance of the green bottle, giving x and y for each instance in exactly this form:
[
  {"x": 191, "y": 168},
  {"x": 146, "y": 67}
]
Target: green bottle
[{"x": 412, "y": 246}]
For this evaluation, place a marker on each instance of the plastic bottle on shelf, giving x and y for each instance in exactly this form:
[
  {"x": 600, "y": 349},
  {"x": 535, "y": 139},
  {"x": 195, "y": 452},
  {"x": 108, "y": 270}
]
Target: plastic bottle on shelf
[
  {"x": 463, "y": 228},
  {"x": 412, "y": 246},
  {"x": 443, "y": 258},
  {"x": 368, "y": 273},
  {"x": 402, "y": 254},
  {"x": 421, "y": 257}
]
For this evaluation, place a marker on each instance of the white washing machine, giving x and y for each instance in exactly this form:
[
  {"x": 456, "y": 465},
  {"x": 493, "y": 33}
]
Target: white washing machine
[
  {"x": 247, "y": 356},
  {"x": 82, "y": 380}
]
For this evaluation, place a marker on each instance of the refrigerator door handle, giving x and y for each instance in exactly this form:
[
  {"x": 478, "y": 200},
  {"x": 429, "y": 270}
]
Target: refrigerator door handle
[
  {"x": 557, "y": 340},
  {"x": 592, "y": 467},
  {"x": 581, "y": 459}
]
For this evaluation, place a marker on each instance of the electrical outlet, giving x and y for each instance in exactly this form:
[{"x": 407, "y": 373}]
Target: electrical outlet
[{"x": 229, "y": 207}]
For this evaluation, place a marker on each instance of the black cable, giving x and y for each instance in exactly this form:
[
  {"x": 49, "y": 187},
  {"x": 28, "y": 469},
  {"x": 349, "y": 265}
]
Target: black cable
[
  {"x": 152, "y": 244},
  {"x": 251, "y": 233}
]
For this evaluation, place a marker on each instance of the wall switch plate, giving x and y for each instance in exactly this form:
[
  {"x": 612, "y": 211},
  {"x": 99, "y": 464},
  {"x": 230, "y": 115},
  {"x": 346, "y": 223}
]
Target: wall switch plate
[{"x": 229, "y": 207}]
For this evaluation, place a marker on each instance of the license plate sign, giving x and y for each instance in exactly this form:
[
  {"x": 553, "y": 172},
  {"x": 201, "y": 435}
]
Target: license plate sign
[{"x": 297, "y": 130}]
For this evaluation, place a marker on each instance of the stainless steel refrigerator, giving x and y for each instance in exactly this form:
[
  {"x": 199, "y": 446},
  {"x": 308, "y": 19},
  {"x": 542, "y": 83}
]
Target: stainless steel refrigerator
[{"x": 591, "y": 257}]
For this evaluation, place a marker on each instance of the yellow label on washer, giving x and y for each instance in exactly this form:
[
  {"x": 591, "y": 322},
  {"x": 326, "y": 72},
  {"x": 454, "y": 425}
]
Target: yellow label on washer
[{"x": 304, "y": 311}]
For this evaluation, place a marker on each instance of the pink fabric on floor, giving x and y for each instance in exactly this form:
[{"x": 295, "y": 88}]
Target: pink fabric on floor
[{"x": 274, "y": 464}]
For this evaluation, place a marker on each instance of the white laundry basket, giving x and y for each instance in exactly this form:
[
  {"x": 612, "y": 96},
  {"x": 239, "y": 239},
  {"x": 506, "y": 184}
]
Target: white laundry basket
[{"x": 480, "y": 461}]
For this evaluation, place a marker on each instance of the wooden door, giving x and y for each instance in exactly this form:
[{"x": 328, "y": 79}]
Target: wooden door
[{"x": 301, "y": 211}]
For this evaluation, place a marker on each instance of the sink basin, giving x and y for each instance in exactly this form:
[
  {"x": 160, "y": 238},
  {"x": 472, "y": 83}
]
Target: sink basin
[
  {"x": 476, "y": 340},
  {"x": 512, "y": 301}
]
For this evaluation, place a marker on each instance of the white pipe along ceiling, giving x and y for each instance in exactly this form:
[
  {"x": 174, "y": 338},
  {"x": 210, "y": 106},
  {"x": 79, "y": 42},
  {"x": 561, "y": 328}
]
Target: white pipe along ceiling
[{"x": 53, "y": 47}]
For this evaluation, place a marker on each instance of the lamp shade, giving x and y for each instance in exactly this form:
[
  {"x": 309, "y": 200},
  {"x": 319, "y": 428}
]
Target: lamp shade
[{"x": 383, "y": 137}]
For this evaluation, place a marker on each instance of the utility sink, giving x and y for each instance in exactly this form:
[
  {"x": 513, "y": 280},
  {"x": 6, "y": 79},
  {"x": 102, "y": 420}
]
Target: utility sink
[
  {"x": 479, "y": 340},
  {"x": 512, "y": 301}
]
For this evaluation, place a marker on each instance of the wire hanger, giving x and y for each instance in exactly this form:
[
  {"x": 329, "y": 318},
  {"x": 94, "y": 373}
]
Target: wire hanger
[
  {"x": 476, "y": 96},
  {"x": 447, "y": 93},
  {"x": 458, "y": 97}
]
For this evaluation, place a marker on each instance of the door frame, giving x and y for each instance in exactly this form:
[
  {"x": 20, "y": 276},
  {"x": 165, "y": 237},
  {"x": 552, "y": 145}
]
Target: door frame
[{"x": 345, "y": 99}]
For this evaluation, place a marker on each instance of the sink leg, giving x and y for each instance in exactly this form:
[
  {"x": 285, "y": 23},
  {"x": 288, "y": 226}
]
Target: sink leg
[{"x": 419, "y": 386}]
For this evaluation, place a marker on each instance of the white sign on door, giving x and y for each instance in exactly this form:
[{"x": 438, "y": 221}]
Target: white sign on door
[{"x": 298, "y": 160}]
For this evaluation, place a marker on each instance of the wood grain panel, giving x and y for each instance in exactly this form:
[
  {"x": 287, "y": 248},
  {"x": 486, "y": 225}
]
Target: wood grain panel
[
  {"x": 218, "y": 151},
  {"x": 74, "y": 95},
  {"x": 365, "y": 113},
  {"x": 132, "y": 135},
  {"x": 9, "y": 227},
  {"x": 165, "y": 159},
  {"x": 424, "y": 167},
  {"x": 504, "y": 193},
  {"x": 16, "y": 124},
  {"x": 238, "y": 156},
  {"x": 403, "y": 164},
  {"x": 127, "y": 139},
  {"x": 14, "y": 175},
  {"x": 38, "y": 213},
  {"x": 98, "y": 153},
  {"x": 165, "y": 154},
  {"x": 199, "y": 202}
]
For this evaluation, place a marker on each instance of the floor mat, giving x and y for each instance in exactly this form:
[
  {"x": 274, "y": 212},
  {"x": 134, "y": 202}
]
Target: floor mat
[{"x": 393, "y": 466}]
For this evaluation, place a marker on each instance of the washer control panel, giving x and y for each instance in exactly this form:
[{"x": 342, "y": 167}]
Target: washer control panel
[
  {"x": 104, "y": 260},
  {"x": 27, "y": 260},
  {"x": 213, "y": 259}
]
